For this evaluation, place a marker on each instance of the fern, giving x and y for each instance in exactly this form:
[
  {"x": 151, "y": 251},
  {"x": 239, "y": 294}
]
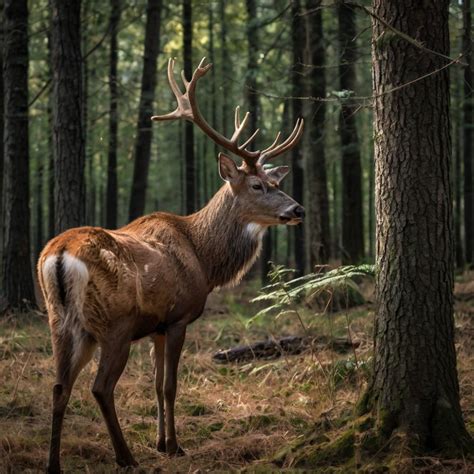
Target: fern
[{"x": 282, "y": 293}]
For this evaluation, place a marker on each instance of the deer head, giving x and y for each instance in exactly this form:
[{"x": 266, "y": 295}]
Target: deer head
[{"x": 256, "y": 188}]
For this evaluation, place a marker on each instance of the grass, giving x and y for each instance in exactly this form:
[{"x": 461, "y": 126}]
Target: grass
[{"x": 229, "y": 417}]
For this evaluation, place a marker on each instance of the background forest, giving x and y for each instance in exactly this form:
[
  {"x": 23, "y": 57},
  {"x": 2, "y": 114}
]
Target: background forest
[
  {"x": 277, "y": 60},
  {"x": 327, "y": 366}
]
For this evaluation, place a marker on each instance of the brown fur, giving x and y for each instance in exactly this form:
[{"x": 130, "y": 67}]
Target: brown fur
[{"x": 149, "y": 278}]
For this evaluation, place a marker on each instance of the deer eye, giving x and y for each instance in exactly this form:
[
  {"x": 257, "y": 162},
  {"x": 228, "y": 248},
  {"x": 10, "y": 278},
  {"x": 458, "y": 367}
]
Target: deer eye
[{"x": 257, "y": 187}]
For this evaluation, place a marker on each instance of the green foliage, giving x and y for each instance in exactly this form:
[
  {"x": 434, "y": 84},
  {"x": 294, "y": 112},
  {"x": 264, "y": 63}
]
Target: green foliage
[{"x": 282, "y": 293}]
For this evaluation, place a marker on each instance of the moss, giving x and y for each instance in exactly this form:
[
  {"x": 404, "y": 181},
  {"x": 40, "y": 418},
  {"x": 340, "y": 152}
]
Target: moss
[
  {"x": 364, "y": 404},
  {"x": 335, "y": 452},
  {"x": 387, "y": 421}
]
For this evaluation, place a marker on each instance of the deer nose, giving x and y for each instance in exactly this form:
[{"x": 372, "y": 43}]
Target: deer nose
[{"x": 298, "y": 211}]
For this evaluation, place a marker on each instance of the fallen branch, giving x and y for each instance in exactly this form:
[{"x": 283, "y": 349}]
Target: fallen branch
[{"x": 275, "y": 348}]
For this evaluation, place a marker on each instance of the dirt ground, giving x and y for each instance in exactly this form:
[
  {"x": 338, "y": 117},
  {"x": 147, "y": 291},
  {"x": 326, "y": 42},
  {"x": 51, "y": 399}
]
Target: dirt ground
[{"x": 229, "y": 417}]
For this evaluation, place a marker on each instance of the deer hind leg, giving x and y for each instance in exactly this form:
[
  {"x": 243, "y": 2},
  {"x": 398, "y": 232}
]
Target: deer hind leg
[
  {"x": 174, "y": 343},
  {"x": 159, "y": 355},
  {"x": 73, "y": 349},
  {"x": 113, "y": 359}
]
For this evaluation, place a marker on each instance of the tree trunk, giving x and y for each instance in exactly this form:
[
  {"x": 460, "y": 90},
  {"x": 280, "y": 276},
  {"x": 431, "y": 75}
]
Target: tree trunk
[
  {"x": 67, "y": 114},
  {"x": 190, "y": 165},
  {"x": 226, "y": 68},
  {"x": 467, "y": 135},
  {"x": 17, "y": 275},
  {"x": 317, "y": 202},
  {"x": 2, "y": 128},
  {"x": 112, "y": 197},
  {"x": 297, "y": 80},
  {"x": 145, "y": 111},
  {"x": 352, "y": 220},
  {"x": 414, "y": 388}
]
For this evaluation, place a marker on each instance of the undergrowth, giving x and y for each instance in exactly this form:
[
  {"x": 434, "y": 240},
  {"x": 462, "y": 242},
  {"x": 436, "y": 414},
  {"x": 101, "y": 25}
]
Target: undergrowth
[{"x": 229, "y": 417}]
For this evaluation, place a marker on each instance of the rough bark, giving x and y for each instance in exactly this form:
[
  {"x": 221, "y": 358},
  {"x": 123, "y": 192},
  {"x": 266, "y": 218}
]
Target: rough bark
[
  {"x": 414, "y": 387},
  {"x": 352, "y": 220},
  {"x": 112, "y": 186},
  {"x": 467, "y": 135},
  {"x": 145, "y": 110},
  {"x": 69, "y": 149},
  {"x": 317, "y": 201},
  {"x": 189, "y": 158},
  {"x": 17, "y": 275},
  {"x": 2, "y": 126},
  {"x": 297, "y": 81}
]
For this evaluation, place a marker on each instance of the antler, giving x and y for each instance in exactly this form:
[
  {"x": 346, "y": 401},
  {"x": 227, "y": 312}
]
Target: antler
[{"x": 188, "y": 109}]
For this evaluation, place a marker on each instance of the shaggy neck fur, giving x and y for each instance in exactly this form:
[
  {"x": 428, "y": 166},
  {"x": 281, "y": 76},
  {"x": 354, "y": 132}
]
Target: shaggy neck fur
[{"x": 226, "y": 243}]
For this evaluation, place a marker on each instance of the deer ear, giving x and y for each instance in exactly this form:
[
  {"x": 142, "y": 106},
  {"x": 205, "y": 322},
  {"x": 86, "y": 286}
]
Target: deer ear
[
  {"x": 227, "y": 168},
  {"x": 278, "y": 173}
]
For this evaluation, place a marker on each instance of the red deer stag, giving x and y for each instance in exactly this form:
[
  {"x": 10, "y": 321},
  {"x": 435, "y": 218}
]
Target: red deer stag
[{"x": 152, "y": 277}]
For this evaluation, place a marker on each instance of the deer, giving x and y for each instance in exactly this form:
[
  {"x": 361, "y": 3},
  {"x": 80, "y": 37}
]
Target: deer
[{"x": 151, "y": 278}]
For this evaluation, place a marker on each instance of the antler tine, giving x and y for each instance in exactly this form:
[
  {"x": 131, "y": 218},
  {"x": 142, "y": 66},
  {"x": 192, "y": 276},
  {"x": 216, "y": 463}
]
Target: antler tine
[
  {"x": 247, "y": 142},
  {"x": 273, "y": 145},
  {"x": 238, "y": 130},
  {"x": 188, "y": 109},
  {"x": 172, "y": 80},
  {"x": 237, "y": 117},
  {"x": 290, "y": 142},
  {"x": 185, "y": 81}
]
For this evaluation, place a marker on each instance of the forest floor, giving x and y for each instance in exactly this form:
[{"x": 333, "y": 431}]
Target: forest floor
[{"x": 229, "y": 417}]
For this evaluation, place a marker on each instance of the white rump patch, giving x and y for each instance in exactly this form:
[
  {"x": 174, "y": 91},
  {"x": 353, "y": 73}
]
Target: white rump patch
[
  {"x": 48, "y": 268},
  {"x": 255, "y": 230},
  {"x": 76, "y": 279}
]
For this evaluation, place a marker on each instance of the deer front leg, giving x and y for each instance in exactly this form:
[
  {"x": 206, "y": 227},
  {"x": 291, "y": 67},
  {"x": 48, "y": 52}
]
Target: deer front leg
[
  {"x": 174, "y": 343},
  {"x": 159, "y": 354},
  {"x": 113, "y": 358}
]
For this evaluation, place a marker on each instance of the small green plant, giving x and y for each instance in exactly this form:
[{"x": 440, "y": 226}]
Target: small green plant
[{"x": 283, "y": 293}]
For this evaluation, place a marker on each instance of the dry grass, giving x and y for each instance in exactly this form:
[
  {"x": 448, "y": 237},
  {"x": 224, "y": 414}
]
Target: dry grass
[{"x": 229, "y": 418}]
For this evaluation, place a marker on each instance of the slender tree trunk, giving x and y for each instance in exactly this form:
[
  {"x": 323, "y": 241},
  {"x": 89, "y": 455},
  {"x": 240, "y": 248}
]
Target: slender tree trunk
[
  {"x": 317, "y": 201},
  {"x": 112, "y": 186},
  {"x": 51, "y": 179},
  {"x": 297, "y": 80},
  {"x": 39, "y": 241},
  {"x": 352, "y": 220},
  {"x": 147, "y": 96},
  {"x": 17, "y": 275},
  {"x": 226, "y": 68},
  {"x": 467, "y": 135},
  {"x": 2, "y": 128},
  {"x": 414, "y": 388},
  {"x": 68, "y": 98},
  {"x": 189, "y": 159}
]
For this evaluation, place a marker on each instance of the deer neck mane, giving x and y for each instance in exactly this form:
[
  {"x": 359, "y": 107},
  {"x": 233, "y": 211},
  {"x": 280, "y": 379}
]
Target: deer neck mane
[{"x": 226, "y": 242}]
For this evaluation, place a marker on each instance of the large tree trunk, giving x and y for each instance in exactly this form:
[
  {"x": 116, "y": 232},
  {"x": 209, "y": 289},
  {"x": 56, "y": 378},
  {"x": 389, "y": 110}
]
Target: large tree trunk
[
  {"x": 352, "y": 220},
  {"x": 111, "y": 200},
  {"x": 317, "y": 202},
  {"x": 189, "y": 159},
  {"x": 17, "y": 275},
  {"x": 145, "y": 111},
  {"x": 467, "y": 135},
  {"x": 297, "y": 80},
  {"x": 414, "y": 389},
  {"x": 69, "y": 153}
]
